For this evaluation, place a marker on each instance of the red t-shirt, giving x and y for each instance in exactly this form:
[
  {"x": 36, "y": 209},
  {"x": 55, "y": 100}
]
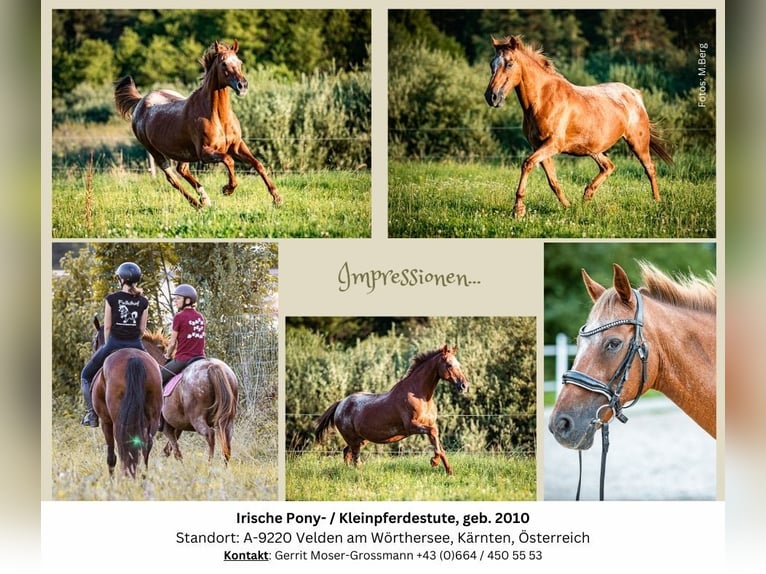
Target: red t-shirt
[{"x": 190, "y": 326}]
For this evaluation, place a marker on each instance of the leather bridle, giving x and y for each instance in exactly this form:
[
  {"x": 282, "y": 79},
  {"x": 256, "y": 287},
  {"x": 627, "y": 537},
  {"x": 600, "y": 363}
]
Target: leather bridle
[{"x": 611, "y": 390}]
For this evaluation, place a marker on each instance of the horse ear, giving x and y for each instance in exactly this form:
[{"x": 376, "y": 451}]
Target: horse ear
[
  {"x": 235, "y": 46},
  {"x": 622, "y": 284},
  {"x": 595, "y": 290}
]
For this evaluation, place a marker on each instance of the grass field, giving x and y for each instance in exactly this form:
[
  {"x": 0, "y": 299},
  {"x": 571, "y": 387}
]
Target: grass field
[
  {"x": 120, "y": 204},
  {"x": 476, "y": 200},
  {"x": 315, "y": 476},
  {"x": 79, "y": 470}
]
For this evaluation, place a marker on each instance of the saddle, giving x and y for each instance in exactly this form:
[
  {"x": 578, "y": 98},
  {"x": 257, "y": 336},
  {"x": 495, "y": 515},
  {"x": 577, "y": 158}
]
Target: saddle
[{"x": 173, "y": 382}]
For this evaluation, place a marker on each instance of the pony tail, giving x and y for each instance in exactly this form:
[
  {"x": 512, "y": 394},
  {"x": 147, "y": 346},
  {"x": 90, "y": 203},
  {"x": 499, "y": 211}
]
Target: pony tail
[
  {"x": 126, "y": 96},
  {"x": 658, "y": 145},
  {"x": 326, "y": 422},
  {"x": 224, "y": 407},
  {"x": 129, "y": 437}
]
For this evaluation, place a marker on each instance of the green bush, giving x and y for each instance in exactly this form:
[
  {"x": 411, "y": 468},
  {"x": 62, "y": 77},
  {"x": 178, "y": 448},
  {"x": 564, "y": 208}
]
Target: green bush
[{"x": 437, "y": 108}]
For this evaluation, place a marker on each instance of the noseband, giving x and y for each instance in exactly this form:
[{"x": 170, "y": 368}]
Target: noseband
[{"x": 613, "y": 389}]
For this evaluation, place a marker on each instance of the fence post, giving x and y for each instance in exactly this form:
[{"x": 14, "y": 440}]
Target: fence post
[
  {"x": 152, "y": 165},
  {"x": 562, "y": 359}
]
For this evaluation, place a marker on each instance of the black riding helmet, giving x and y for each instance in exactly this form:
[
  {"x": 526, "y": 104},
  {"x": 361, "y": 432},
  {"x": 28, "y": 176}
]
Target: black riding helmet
[
  {"x": 129, "y": 273},
  {"x": 187, "y": 292}
]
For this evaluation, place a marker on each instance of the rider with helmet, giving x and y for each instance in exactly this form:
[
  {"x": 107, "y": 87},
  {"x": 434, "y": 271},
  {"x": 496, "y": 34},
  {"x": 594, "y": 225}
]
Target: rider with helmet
[
  {"x": 125, "y": 318},
  {"x": 188, "y": 338}
]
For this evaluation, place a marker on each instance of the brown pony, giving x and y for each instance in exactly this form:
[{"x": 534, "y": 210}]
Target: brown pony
[
  {"x": 204, "y": 400},
  {"x": 560, "y": 117},
  {"x": 200, "y": 128},
  {"x": 127, "y": 397},
  {"x": 661, "y": 336},
  {"x": 407, "y": 408}
]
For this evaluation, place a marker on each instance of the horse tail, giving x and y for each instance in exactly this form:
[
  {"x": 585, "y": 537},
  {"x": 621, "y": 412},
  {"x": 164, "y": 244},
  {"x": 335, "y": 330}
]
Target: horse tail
[
  {"x": 326, "y": 422},
  {"x": 129, "y": 432},
  {"x": 657, "y": 145},
  {"x": 126, "y": 96},
  {"x": 224, "y": 408}
]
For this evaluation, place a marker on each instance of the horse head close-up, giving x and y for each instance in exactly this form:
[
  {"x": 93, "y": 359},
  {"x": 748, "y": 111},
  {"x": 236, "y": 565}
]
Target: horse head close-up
[{"x": 660, "y": 336}]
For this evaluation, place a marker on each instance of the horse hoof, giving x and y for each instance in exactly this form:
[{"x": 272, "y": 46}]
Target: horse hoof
[{"x": 519, "y": 211}]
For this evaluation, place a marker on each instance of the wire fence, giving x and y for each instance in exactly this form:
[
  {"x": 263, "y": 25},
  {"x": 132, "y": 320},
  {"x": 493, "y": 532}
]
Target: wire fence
[{"x": 406, "y": 447}]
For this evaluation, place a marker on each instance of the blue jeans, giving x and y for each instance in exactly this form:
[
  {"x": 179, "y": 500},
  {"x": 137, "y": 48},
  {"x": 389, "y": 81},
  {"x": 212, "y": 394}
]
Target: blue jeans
[{"x": 98, "y": 358}]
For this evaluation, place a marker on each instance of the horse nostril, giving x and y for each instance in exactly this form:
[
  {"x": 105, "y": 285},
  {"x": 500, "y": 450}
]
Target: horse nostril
[{"x": 562, "y": 425}]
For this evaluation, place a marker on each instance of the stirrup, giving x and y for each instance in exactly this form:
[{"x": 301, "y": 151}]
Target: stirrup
[{"x": 90, "y": 419}]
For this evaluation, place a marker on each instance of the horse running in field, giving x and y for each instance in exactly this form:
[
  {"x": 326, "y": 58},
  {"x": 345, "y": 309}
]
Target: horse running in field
[
  {"x": 560, "y": 117},
  {"x": 200, "y": 128},
  {"x": 407, "y": 408},
  {"x": 661, "y": 336}
]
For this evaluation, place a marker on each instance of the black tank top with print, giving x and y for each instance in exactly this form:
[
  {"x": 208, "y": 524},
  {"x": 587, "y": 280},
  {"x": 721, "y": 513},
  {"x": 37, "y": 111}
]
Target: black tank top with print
[{"x": 126, "y": 314}]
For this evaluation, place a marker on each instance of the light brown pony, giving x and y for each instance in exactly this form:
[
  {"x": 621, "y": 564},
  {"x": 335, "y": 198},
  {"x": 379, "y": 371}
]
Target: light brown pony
[
  {"x": 674, "y": 333},
  {"x": 407, "y": 408},
  {"x": 205, "y": 400},
  {"x": 127, "y": 397},
  {"x": 200, "y": 128},
  {"x": 560, "y": 117}
]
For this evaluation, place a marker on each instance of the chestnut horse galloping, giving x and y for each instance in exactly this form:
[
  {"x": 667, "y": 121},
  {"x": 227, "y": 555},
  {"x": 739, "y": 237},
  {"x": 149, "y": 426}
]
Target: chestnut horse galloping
[
  {"x": 560, "y": 117},
  {"x": 407, "y": 408},
  {"x": 200, "y": 128}
]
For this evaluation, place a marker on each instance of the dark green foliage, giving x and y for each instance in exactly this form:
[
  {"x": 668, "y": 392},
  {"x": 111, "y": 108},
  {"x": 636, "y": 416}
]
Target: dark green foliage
[
  {"x": 567, "y": 303},
  {"x": 438, "y": 73},
  {"x": 234, "y": 280},
  {"x": 498, "y": 356}
]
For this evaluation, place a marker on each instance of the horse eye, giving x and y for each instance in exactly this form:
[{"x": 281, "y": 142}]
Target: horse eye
[{"x": 613, "y": 344}]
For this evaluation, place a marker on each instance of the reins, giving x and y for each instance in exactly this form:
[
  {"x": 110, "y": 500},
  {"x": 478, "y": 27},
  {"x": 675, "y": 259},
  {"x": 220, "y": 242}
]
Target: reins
[{"x": 612, "y": 389}]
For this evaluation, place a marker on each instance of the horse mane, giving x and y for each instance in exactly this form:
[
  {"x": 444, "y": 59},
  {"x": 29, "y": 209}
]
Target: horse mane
[
  {"x": 208, "y": 58},
  {"x": 420, "y": 359},
  {"x": 157, "y": 338},
  {"x": 536, "y": 54},
  {"x": 689, "y": 291},
  {"x": 684, "y": 291}
]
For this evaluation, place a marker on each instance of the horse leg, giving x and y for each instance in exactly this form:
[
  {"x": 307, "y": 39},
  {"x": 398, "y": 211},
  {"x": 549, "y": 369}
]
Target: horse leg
[
  {"x": 183, "y": 168},
  {"x": 648, "y": 164},
  {"x": 605, "y": 167},
  {"x": 439, "y": 454},
  {"x": 175, "y": 182},
  {"x": 550, "y": 172},
  {"x": 200, "y": 425},
  {"x": 539, "y": 155},
  {"x": 172, "y": 435},
  {"x": 111, "y": 456},
  {"x": 347, "y": 454},
  {"x": 244, "y": 154}
]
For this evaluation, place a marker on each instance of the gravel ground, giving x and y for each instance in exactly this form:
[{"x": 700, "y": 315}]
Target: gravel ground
[{"x": 659, "y": 454}]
